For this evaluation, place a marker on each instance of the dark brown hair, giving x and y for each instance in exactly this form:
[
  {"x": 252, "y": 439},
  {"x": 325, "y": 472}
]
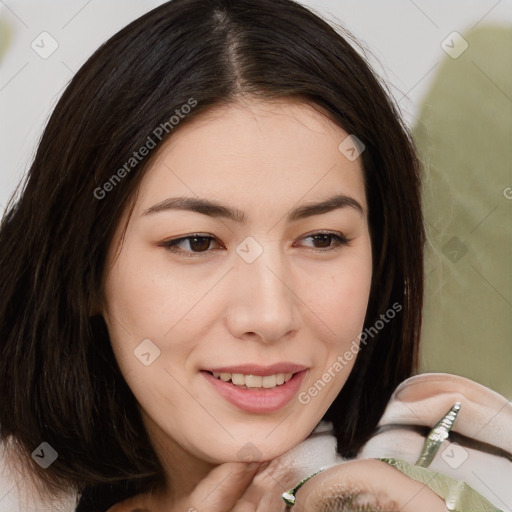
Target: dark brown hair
[{"x": 59, "y": 381}]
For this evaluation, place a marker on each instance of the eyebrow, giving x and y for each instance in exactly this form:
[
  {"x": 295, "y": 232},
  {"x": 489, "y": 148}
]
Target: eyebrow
[{"x": 215, "y": 209}]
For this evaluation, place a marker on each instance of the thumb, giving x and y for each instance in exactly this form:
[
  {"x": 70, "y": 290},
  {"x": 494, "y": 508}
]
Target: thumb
[{"x": 222, "y": 487}]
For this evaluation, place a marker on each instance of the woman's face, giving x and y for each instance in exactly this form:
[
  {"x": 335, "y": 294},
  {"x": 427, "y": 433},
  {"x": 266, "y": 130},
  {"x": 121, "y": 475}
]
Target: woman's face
[{"x": 244, "y": 274}]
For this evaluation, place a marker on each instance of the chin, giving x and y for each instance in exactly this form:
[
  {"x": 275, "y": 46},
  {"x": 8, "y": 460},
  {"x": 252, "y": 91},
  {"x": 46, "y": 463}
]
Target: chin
[{"x": 256, "y": 450}]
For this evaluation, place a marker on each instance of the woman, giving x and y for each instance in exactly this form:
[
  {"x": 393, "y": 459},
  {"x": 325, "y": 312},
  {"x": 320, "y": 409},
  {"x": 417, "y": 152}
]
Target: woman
[{"x": 223, "y": 199}]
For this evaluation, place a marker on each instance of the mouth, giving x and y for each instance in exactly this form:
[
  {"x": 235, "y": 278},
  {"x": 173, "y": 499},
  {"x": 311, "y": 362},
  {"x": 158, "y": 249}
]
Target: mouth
[
  {"x": 256, "y": 393},
  {"x": 253, "y": 381}
]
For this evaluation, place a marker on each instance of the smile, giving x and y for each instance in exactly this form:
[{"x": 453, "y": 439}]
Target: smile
[
  {"x": 254, "y": 381},
  {"x": 256, "y": 393}
]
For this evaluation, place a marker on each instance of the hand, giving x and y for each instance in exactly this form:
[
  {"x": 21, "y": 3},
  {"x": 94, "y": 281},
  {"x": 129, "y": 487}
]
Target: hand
[
  {"x": 218, "y": 492},
  {"x": 222, "y": 490},
  {"x": 263, "y": 492},
  {"x": 239, "y": 487},
  {"x": 362, "y": 484},
  {"x": 285, "y": 471}
]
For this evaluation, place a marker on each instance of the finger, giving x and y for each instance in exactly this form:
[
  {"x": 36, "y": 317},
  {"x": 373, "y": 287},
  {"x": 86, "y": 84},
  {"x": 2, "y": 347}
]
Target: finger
[
  {"x": 266, "y": 489},
  {"x": 222, "y": 488}
]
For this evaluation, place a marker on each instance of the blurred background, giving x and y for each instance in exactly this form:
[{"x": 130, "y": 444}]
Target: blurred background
[{"x": 449, "y": 67}]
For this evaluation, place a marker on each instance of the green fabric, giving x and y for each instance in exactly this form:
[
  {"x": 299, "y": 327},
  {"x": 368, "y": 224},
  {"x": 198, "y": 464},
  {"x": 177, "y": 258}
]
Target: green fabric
[
  {"x": 459, "y": 496},
  {"x": 464, "y": 136}
]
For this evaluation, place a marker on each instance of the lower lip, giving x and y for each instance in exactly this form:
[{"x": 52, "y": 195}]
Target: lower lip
[{"x": 258, "y": 400}]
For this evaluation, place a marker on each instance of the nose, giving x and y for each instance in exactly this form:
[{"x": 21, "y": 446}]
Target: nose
[{"x": 263, "y": 304}]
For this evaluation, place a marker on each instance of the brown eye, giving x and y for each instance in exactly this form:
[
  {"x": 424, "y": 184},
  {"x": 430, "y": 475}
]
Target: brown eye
[
  {"x": 200, "y": 243},
  {"x": 190, "y": 245},
  {"x": 327, "y": 241},
  {"x": 323, "y": 240}
]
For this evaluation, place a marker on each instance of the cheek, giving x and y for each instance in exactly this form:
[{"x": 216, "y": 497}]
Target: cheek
[
  {"x": 148, "y": 300},
  {"x": 142, "y": 294},
  {"x": 143, "y": 308},
  {"x": 138, "y": 298},
  {"x": 342, "y": 297}
]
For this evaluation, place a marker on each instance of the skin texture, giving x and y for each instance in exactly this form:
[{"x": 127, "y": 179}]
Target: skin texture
[{"x": 292, "y": 304}]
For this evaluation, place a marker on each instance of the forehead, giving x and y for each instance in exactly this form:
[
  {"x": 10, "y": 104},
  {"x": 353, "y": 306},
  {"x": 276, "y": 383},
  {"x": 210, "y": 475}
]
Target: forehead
[{"x": 255, "y": 151}]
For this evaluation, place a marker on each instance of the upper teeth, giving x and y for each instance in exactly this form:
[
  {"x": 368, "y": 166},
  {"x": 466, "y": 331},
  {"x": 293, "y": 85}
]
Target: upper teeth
[{"x": 255, "y": 381}]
